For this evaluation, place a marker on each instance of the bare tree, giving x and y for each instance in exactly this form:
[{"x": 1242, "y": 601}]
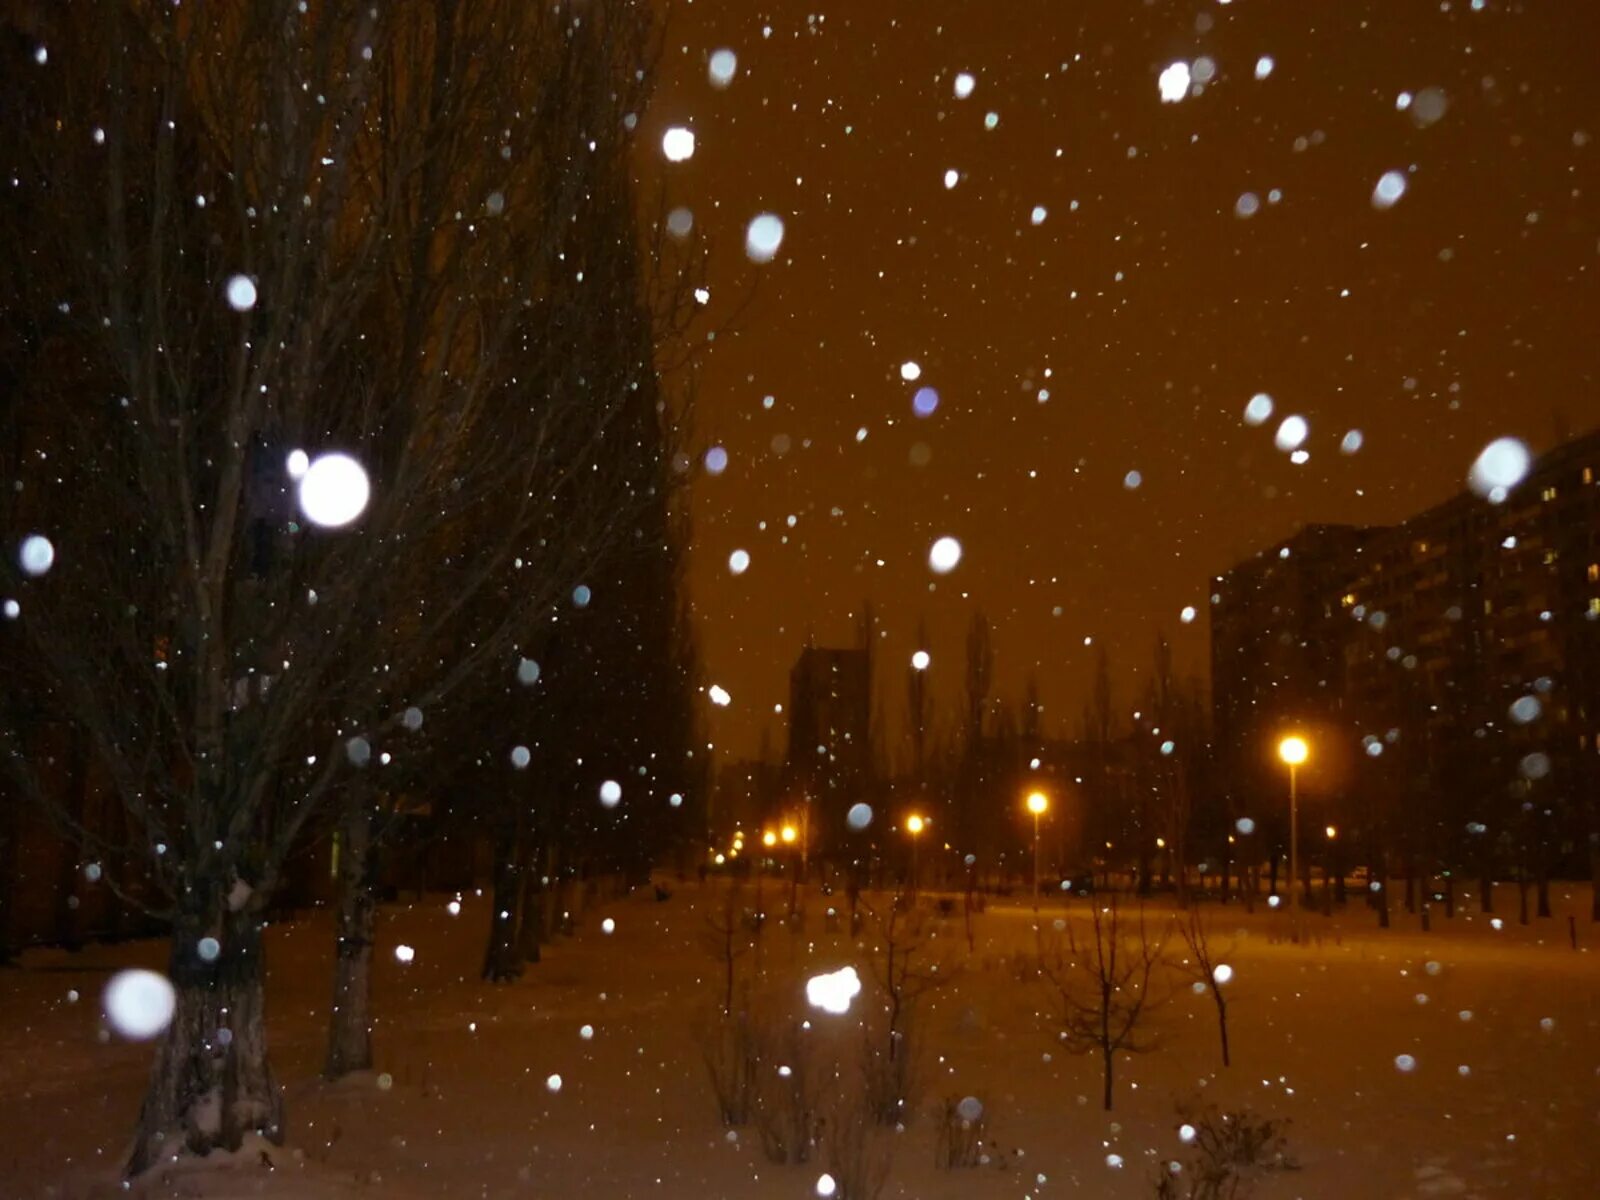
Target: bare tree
[
  {"x": 917, "y": 711},
  {"x": 1103, "y": 987},
  {"x": 904, "y": 975},
  {"x": 253, "y": 230},
  {"x": 973, "y": 773},
  {"x": 1203, "y": 966}
]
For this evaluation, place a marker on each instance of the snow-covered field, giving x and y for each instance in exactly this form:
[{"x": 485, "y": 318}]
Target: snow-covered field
[{"x": 1506, "y": 1103}]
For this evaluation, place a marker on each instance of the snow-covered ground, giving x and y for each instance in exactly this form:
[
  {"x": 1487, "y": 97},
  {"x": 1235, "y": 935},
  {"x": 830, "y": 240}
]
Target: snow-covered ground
[{"x": 1506, "y": 1103}]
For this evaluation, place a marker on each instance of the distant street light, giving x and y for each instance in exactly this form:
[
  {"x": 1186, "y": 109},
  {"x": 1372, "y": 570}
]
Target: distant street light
[
  {"x": 1038, "y": 802},
  {"x": 914, "y": 825},
  {"x": 769, "y": 838},
  {"x": 788, "y": 835},
  {"x": 1294, "y": 751}
]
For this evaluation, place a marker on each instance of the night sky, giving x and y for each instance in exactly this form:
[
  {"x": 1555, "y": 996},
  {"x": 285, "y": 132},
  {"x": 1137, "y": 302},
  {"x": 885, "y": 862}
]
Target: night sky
[{"x": 1147, "y": 309}]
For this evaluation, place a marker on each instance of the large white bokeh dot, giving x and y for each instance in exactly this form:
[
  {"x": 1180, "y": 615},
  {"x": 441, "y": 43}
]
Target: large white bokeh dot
[
  {"x": 721, "y": 68},
  {"x": 334, "y": 490},
  {"x": 832, "y": 991},
  {"x": 1502, "y": 465},
  {"x": 37, "y": 555},
  {"x": 763, "y": 237},
  {"x": 944, "y": 555},
  {"x": 241, "y": 293},
  {"x": 139, "y": 1003},
  {"x": 678, "y": 144}
]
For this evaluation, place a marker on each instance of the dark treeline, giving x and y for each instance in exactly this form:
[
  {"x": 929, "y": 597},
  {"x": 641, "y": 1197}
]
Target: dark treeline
[
  {"x": 409, "y": 235},
  {"x": 1142, "y": 793}
]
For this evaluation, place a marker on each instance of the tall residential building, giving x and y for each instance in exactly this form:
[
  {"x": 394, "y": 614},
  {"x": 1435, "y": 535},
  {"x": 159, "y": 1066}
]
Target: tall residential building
[
  {"x": 829, "y": 764},
  {"x": 1460, "y": 646},
  {"x": 1276, "y": 664}
]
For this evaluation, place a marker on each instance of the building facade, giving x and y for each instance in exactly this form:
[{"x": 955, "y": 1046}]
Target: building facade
[
  {"x": 829, "y": 762},
  {"x": 1446, "y": 666}
]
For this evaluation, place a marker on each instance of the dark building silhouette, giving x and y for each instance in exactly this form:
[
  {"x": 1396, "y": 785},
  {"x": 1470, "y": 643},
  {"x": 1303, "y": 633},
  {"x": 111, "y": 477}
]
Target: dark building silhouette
[
  {"x": 1453, "y": 659},
  {"x": 1277, "y": 631},
  {"x": 829, "y": 763}
]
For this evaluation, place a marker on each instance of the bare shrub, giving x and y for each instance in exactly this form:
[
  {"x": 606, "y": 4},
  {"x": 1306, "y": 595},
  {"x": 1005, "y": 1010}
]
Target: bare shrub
[
  {"x": 858, "y": 1150},
  {"x": 792, "y": 1074},
  {"x": 963, "y": 1126},
  {"x": 728, "y": 1048},
  {"x": 1232, "y": 1152}
]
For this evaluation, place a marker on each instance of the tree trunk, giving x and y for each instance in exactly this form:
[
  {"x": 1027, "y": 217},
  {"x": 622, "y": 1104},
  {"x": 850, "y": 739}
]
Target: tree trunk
[
  {"x": 1222, "y": 1022},
  {"x": 1594, "y": 876},
  {"x": 350, "y": 1022},
  {"x": 1107, "y": 1056},
  {"x": 211, "y": 1083},
  {"x": 501, "y": 961},
  {"x": 1486, "y": 893},
  {"x": 1382, "y": 893},
  {"x": 531, "y": 933},
  {"x": 1542, "y": 887}
]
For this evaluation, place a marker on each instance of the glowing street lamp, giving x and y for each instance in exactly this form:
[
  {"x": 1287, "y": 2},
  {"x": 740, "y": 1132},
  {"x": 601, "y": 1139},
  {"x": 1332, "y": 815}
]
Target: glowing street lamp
[
  {"x": 915, "y": 825},
  {"x": 1037, "y": 802},
  {"x": 788, "y": 835},
  {"x": 769, "y": 838},
  {"x": 1294, "y": 751}
]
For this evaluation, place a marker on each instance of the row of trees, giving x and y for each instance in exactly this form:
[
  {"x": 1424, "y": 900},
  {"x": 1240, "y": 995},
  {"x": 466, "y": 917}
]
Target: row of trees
[
  {"x": 409, "y": 234},
  {"x": 1145, "y": 788}
]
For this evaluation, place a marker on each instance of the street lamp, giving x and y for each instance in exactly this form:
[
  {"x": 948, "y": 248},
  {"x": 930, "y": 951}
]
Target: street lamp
[
  {"x": 1294, "y": 751},
  {"x": 787, "y": 835},
  {"x": 1038, "y": 802},
  {"x": 914, "y": 826}
]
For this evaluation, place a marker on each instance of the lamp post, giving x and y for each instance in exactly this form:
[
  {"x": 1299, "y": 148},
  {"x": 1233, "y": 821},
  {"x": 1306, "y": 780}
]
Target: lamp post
[
  {"x": 1293, "y": 751},
  {"x": 787, "y": 835},
  {"x": 1038, "y": 802},
  {"x": 914, "y": 826}
]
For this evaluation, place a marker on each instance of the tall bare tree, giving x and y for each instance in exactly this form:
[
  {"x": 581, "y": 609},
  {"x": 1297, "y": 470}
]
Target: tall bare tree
[
  {"x": 254, "y": 228},
  {"x": 1104, "y": 987},
  {"x": 917, "y": 711}
]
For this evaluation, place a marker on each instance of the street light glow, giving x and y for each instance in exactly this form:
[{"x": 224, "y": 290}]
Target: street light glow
[
  {"x": 1293, "y": 750},
  {"x": 1037, "y": 803},
  {"x": 769, "y": 838},
  {"x": 788, "y": 833},
  {"x": 914, "y": 824}
]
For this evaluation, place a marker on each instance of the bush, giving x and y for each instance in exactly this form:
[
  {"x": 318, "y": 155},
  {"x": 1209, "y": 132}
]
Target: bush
[
  {"x": 859, "y": 1152},
  {"x": 1232, "y": 1152},
  {"x": 728, "y": 1048},
  {"x": 790, "y": 1079},
  {"x": 963, "y": 1124}
]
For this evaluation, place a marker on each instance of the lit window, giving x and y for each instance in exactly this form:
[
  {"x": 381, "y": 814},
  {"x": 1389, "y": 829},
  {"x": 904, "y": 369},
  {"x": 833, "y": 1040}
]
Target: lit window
[
  {"x": 1588, "y": 474},
  {"x": 1594, "y": 572},
  {"x": 1594, "y": 606},
  {"x": 1549, "y": 493}
]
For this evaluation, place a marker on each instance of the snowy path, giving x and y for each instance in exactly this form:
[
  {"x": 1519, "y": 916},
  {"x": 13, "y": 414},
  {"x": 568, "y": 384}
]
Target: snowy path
[{"x": 1316, "y": 1033}]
